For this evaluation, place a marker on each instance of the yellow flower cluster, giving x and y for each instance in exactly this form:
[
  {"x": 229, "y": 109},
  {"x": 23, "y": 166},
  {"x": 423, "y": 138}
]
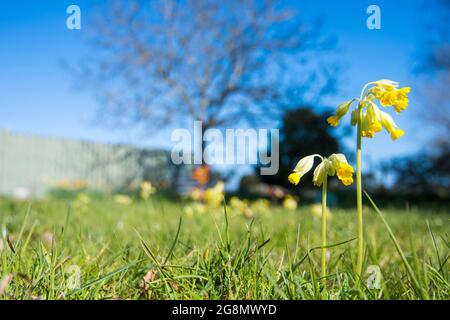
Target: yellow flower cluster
[
  {"x": 369, "y": 120},
  {"x": 213, "y": 196},
  {"x": 209, "y": 199},
  {"x": 248, "y": 209},
  {"x": 196, "y": 207},
  {"x": 373, "y": 119},
  {"x": 336, "y": 164},
  {"x": 389, "y": 95},
  {"x": 240, "y": 207},
  {"x": 206, "y": 199}
]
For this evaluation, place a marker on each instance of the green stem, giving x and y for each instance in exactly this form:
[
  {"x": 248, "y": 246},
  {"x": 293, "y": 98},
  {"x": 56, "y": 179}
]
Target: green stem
[
  {"x": 359, "y": 196},
  {"x": 324, "y": 231}
]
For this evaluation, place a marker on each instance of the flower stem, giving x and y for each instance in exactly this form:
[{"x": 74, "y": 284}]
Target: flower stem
[
  {"x": 324, "y": 233},
  {"x": 359, "y": 196}
]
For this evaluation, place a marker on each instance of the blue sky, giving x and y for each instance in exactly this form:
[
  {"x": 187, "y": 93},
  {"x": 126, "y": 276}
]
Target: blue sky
[{"x": 37, "y": 95}]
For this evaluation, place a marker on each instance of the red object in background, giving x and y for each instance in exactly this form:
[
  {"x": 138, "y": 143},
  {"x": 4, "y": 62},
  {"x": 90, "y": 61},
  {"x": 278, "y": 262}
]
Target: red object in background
[{"x": 201, "y": 174}]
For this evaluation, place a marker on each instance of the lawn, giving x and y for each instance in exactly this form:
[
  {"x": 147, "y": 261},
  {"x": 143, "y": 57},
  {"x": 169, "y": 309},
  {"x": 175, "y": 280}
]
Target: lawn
[{"x": 100, "y": 249}]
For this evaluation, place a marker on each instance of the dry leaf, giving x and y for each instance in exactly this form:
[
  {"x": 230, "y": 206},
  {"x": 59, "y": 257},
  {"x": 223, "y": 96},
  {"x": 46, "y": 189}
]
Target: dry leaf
[{"x": 149, "y": 277}]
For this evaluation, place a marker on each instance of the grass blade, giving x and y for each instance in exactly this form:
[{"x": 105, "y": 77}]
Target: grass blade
[
  {"x": 417, "y": 286},
  {"x": 436, "y": 250},
  {"x": 174, "y": 241}
]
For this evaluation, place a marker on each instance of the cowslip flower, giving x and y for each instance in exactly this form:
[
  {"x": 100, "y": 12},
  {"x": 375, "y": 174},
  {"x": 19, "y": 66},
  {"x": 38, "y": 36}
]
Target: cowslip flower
[
  {"x": 336, "y": 164},
  {"x": 370, "y": 120},
  {"x": 373, "y": 120},
  {"x": 341, "y": 111},
  {"x": 388, "y": 93}
]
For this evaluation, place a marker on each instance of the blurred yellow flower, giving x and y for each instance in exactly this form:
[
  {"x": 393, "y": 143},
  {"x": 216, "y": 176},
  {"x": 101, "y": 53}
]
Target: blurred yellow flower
[
  {"x": 247, "y": 210},
  {"x": 316, "y": 210},
  {"x": 188, "y": 210},
  {"x": 81, "y": 200},
  {"x": 196, "y": 207},
  {"x": 147, "y": 189},
  {"x": 214, "y": 196},
  {"x": 237, "y": 204},
  {"x": 70, "y": 184},
  {"x": 199, "y": 207},
  {"x": 205, "y": 199},
  {"x": 248, "y": 213},
  {"x": 122, "y": 199},
  {"x": 260, "y": 206},
  {"x": 196, "y": 194},
  {"x": 290, "y": 203}
]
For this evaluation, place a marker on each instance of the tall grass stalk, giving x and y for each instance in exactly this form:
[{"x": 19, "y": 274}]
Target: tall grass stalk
[
  {"x": 324, "y": 234},
  {"x": 359, "y": 194}
]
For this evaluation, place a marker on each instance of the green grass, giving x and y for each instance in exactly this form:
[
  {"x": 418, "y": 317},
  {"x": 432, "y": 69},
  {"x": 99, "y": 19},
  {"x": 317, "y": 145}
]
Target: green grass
[{"x": 276, "y": 255}]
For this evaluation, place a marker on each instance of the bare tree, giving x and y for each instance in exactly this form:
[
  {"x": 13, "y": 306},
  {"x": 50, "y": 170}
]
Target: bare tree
[{"x": 166, "y": 62}]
